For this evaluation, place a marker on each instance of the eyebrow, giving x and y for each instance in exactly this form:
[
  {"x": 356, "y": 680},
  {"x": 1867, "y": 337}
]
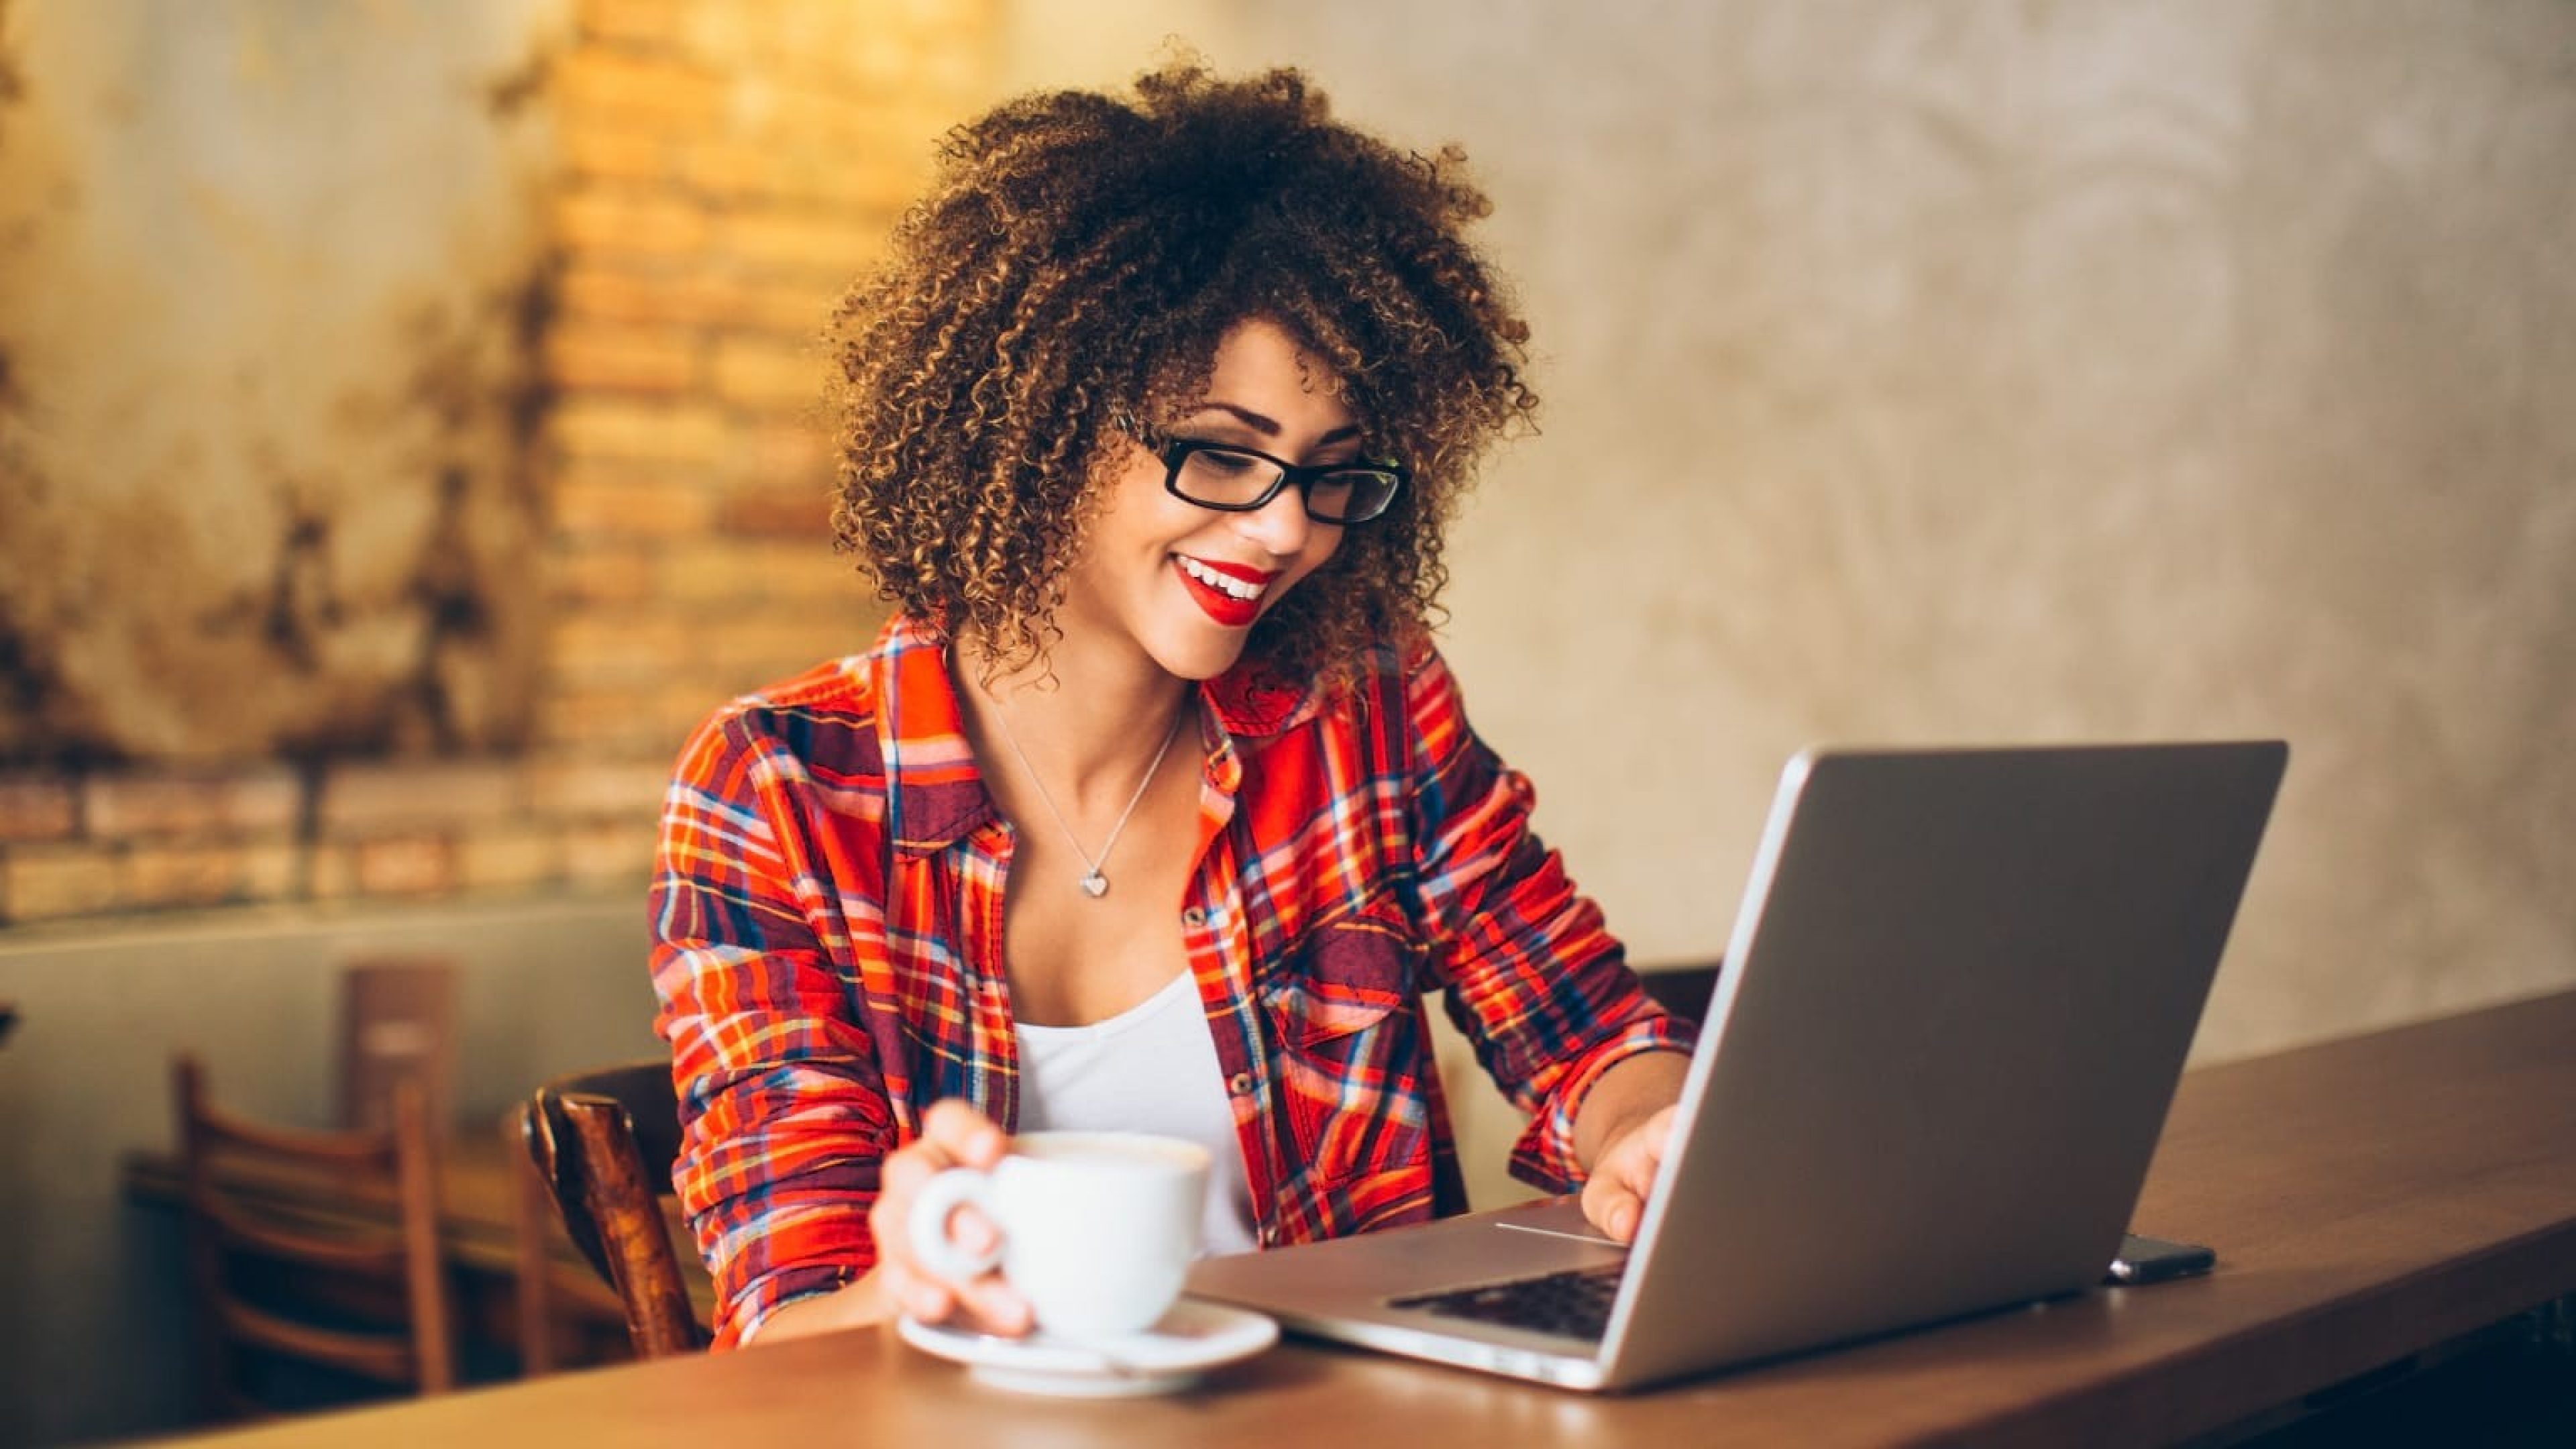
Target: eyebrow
[{"x": 1269, "y": 427}]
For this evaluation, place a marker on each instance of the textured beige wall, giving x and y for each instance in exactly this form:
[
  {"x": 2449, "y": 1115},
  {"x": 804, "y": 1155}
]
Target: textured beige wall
[
  {"x": 2006, "y": 371},
  {"x": 1963, "y": 372},
  {"x": 265, "y": 270}
]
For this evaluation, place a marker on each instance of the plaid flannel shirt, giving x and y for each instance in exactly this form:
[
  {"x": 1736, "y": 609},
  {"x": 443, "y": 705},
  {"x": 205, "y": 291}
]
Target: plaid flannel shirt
[{"x": 827, "y": 947}]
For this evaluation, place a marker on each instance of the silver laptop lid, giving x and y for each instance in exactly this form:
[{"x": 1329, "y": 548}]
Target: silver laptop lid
[{"x": 1956, "y": 1002}]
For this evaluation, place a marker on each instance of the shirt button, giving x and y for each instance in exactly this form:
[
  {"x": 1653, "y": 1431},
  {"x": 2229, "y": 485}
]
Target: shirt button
[
  {"x": 1194, "y": 918},
  {"x": 1240, "y": 1084}
]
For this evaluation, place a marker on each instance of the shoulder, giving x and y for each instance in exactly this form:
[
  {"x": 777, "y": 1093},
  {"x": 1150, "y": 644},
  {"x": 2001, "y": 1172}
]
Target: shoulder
[
  {"x": 1413, "y": 682},
  {"x": 1387, "y": 676},
  {"x": 821, "y": 721},
  {"x": 1400, "y": 699},
  {"x": 833, "y": 697}
]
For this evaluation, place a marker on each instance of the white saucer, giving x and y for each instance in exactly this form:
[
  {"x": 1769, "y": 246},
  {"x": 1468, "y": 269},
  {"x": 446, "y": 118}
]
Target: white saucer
[{"x": 1191, "y": 1339}]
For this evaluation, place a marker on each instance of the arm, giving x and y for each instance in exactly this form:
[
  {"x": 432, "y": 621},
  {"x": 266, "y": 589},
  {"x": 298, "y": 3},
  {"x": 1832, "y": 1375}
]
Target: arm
[
  {"x": 1620, "y": 1136},
  {"x": 784, "y": 1112},
  {"x": 1536, "y": 983},
  {"x": 790, "y": 1167}
]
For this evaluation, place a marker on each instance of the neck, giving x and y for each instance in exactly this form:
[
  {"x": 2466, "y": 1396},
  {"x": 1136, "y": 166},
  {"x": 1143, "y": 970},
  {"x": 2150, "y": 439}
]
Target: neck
[{"x": 1086, "y": 727}]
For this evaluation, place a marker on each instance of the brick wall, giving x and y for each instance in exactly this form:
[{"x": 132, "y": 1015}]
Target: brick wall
[{"x": 723, "y": 170}]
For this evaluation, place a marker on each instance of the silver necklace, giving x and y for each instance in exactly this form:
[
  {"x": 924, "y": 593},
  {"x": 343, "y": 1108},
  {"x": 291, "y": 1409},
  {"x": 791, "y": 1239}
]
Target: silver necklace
[{"x": 1095, "y": 884}]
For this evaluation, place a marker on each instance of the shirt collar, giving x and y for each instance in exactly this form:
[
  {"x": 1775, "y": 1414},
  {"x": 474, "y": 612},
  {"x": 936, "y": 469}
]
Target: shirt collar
[
  {"x": 1253, "y": 699},
  {"x": 935, "y": 795}
]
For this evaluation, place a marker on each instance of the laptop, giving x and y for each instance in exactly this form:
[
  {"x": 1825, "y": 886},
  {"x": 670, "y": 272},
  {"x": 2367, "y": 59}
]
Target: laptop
[{"x": 1956, "y": 1002}]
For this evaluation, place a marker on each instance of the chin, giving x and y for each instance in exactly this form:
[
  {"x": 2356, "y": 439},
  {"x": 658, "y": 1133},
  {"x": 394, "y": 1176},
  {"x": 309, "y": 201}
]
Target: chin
[
  {"x": 1199, "y": 660},
  {"x": 1193, "y": 648}
]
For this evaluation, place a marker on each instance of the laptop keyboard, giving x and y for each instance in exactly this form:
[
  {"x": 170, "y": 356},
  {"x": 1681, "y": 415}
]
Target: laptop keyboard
[{"x": 1572, "y": 1304}]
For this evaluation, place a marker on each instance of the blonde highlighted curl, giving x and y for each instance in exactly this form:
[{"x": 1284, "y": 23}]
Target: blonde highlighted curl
[{"x": 1078, "y": 259}]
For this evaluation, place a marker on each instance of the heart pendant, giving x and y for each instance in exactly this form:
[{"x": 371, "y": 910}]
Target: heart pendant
[{"x": 1095, "y": 885}]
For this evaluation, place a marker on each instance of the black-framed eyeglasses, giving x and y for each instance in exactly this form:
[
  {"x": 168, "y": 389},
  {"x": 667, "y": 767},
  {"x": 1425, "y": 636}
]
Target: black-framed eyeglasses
[{"x": 1234, "y": 479}]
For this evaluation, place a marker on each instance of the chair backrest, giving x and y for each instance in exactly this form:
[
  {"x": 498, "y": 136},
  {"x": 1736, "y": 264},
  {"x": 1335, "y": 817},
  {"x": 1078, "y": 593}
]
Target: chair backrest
[
  {"x": 397, "y": 1021},
  {"x": 1684, "y": 991},
  {"x": 603, "y": 1142},
  {"x": 344, "y": 1290}
]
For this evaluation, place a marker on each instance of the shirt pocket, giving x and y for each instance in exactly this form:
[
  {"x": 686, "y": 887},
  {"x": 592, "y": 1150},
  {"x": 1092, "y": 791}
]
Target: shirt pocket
[
  {"x": 1350, "y": 1051},
  {"x": 1349, "y": 973}
]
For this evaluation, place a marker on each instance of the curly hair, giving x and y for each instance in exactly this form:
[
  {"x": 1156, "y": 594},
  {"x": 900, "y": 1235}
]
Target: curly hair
[{"x": 1078, "y": 260}]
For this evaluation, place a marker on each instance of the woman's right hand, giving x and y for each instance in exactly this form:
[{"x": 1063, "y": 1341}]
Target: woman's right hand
[{"x": 953, "y": 1134}]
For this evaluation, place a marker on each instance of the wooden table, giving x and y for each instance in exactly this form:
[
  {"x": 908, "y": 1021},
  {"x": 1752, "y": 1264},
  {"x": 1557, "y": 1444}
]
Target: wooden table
[
  {"x": 2370, "y": 1199},
  {"x": 497, "y": 1232}
]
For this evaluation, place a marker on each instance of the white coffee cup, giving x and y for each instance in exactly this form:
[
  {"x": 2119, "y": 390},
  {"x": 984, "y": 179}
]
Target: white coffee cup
[{"x": 1098, "y": 1228}]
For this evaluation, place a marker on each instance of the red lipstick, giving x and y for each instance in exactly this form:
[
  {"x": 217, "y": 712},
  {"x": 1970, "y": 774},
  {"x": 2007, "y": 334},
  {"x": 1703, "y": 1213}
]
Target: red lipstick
[{"x": 1227, "y": 610}]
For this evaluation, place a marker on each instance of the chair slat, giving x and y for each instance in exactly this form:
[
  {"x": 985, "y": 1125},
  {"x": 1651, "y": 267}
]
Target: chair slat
[
  {"x": 381, "y": 1256},
  {"x": 386, "y": 1359},
  {"x": 227, "y": 1134}
]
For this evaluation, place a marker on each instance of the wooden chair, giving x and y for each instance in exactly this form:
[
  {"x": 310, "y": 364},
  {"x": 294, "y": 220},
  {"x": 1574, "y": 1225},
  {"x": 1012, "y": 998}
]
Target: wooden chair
[
  {"x": 602, "y": 1142},
  {"x": 338, "y": 1290}
]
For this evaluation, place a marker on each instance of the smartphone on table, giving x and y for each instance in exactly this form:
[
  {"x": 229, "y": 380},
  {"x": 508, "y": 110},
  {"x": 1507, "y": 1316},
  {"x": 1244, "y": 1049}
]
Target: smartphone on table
[{"x": 2153, "y": 1260}]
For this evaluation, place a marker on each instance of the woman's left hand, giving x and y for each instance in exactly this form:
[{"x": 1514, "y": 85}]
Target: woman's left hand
[{"x": 1614, "y": 1196}]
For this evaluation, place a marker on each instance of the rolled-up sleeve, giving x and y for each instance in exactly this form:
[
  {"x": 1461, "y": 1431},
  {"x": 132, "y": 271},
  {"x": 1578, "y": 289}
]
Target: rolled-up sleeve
[
  {"x": 1534, "y": 981},
  {"x": 783, "y": 1110}
]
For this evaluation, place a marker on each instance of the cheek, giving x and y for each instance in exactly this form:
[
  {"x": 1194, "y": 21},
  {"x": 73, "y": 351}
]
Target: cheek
[
  {"x": 1133, "y": 499},
  {"x": 1137, "y": 520}
]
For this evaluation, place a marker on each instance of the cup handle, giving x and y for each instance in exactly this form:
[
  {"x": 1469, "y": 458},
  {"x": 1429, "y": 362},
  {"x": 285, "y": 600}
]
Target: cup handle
[{"x": 928, "y": 1225}]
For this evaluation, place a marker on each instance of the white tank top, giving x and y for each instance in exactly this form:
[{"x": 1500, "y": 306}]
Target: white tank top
[{"x": 1150, "y": 1068}]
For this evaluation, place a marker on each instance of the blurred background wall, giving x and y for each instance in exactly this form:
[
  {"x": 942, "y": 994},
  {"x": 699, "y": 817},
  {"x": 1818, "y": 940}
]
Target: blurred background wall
[
  {"x": 2012, "y": 371},
  {"x": 2006, "y": 371},
  {"x": 405, "y": 434}
]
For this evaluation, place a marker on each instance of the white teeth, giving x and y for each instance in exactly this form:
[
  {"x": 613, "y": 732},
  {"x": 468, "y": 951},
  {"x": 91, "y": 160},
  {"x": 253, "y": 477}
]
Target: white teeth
[{"x": 1224, "y": 582}]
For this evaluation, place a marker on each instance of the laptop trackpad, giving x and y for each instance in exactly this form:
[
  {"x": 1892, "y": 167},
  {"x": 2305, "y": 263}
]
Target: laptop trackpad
[{"x": 1555, "y": 1217}]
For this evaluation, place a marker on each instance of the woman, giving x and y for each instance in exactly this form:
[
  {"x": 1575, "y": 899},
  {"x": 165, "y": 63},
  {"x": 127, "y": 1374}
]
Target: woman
[{"x": 1152, "y": 807}]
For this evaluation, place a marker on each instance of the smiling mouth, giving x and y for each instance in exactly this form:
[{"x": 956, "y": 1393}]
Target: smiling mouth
[
  {"x": 1228, "y": 595},
  {"x": 1234, "y": 585}
]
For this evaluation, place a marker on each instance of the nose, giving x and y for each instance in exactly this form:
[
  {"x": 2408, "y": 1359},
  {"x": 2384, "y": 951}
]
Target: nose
[{"x": 1279, "y": 526}]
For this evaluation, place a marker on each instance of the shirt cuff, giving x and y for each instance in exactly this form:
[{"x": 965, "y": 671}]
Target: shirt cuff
[
  {"x": 1545, "y": 1157},
  {"x": 770, "y": 1294}
]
